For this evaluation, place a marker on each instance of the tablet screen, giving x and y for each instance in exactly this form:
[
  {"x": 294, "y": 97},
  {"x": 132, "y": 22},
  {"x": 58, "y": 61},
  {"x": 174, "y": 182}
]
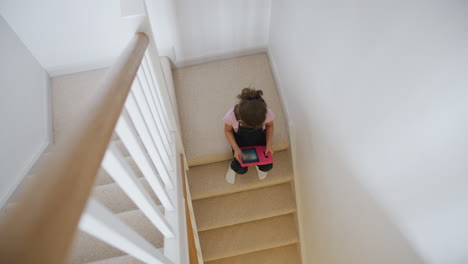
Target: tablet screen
[{"x": 249, "y": 155}]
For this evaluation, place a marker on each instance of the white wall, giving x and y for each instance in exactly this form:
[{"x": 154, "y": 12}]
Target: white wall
[
  {"x": 216, "y": 29},
  {"x": 74, "y": 36},
  {"x": 71, "y": 36},
  {"x": 163, "y": 20},
  {"x": 24, "y": 110},
  {"x": 377, "y": 97}
]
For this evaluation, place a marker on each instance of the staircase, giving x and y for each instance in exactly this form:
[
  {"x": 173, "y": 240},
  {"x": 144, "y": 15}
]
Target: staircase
[{"x": 251, "y": 221}]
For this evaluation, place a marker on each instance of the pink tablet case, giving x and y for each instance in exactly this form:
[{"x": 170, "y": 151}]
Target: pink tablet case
[{"x": 262, "y": 160}]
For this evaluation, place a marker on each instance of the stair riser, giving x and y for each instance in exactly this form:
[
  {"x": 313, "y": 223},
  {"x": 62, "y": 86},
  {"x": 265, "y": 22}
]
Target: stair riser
[{"x": 247, "y": 206}]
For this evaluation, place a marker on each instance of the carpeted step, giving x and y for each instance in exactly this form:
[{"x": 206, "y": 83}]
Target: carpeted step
[
  {"x": 205, "y": 92},
  {"x": 280, "y": 255},
  {"x": 248, "y": 237},
  {"x": 209, "y": 180},
  {"x": 86, "y": 248},
  {"x": 120, "y": 145},
  {"x": 104, "y": 178},
  {"x": 119, "y": 260},
  {"x": 243, "y": 207},
  {"x": 113, "y": 197}
]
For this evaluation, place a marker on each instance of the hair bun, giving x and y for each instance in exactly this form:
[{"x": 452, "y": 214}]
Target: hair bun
[
  {"x": 259, "y": 93},
  {"x": 250, "y": 94}
]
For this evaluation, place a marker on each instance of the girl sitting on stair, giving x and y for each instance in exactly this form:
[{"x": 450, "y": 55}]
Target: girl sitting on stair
[{"x": 249, "y": 123}]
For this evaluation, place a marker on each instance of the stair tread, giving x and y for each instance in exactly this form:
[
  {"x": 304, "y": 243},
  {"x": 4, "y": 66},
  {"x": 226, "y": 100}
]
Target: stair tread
[
  {"x": 103, "y": 177},
  {"x": 231, "y": 209},
  {"x": 127, "y": 259},
  {"x": 86, "y": 248},
  {"x": 115, "y": 199},
  {"x": 279, "y": 255},
  {"x": 248, "y": 237},
  {"x": 205, "y": 92},
  {"x": 209, "y": 180},
  {"x": 120, "y": 145}
]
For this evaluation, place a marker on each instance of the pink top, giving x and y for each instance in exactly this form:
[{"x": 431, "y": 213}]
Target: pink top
[{"x": 230, "y": 118}]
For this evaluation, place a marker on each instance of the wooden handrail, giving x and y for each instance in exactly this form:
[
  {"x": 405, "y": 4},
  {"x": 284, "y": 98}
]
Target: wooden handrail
[{"x": 41, "y": 227}]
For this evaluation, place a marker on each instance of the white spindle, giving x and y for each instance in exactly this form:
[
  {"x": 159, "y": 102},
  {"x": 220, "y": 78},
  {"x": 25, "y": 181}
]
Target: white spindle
[
  {"x": 132, "y": 142},
  {"x": 150, "y": 92},
  {"x": 150, "y": 122},
  {"x": 99, "y": 222},
  {"x": 135, "y": 115},
  {"x": 116, "y": 165},
  {"x": 161, "y": 92}
]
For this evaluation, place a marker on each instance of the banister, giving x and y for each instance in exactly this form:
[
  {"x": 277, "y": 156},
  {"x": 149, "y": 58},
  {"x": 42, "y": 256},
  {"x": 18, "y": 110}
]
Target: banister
[{"x": 41, "y": 227}]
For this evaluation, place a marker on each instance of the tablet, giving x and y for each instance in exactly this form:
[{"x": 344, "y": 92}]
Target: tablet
[
  {"x": 255, "y": 155},
  {"x": 249, "y": 155}
]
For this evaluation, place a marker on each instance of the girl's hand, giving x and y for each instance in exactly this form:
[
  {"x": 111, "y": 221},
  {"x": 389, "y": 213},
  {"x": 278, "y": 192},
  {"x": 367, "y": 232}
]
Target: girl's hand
[
  {"x": 269, "y": 150},
  {"x": 237, "y": 154}
]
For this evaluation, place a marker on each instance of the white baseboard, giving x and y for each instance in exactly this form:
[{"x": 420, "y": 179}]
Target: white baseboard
[
  {"x": 220, "y": 56},
  {"x": 24, "y": 172}
]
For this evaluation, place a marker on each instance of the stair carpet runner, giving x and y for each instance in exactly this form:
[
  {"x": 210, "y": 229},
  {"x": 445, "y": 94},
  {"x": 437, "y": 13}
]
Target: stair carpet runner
[{"x": 252, "y": 220}]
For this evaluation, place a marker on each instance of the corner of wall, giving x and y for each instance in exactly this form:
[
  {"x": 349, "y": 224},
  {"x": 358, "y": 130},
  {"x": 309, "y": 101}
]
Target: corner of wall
[
  {"x": 297, "y": 193},
  {"x": 220, "y": 56},
  {"x": 279, "y": 88},
  {"x": 29, "y": 166},
  {"x": 292, "y": 143},
  {"x": 49, "y": 112}
]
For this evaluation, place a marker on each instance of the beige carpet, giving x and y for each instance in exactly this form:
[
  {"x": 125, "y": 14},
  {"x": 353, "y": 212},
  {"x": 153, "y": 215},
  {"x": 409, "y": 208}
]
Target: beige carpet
[
  {"x": 280, "y": 255},
  {"x": 269, "y": 202},
  {"x": 205, "y": 92},
  {"x": 248, "y": 237},
  {"x": 251, "y": 215},
  {"x": 119, "y": 260},
  {"x": 251, "y": 221},
  {"x": 208, "y": 180}
]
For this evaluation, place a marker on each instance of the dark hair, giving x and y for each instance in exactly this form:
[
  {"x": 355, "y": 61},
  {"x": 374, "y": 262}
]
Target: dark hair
[{"x": 252, "y": 108}]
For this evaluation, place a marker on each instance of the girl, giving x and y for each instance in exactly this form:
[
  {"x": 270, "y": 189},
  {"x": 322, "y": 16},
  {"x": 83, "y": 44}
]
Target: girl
[{"x": 249, "y": 123}]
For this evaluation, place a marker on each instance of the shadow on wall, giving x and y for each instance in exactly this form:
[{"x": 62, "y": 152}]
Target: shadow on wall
[{"x": 342, "y": 222}]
